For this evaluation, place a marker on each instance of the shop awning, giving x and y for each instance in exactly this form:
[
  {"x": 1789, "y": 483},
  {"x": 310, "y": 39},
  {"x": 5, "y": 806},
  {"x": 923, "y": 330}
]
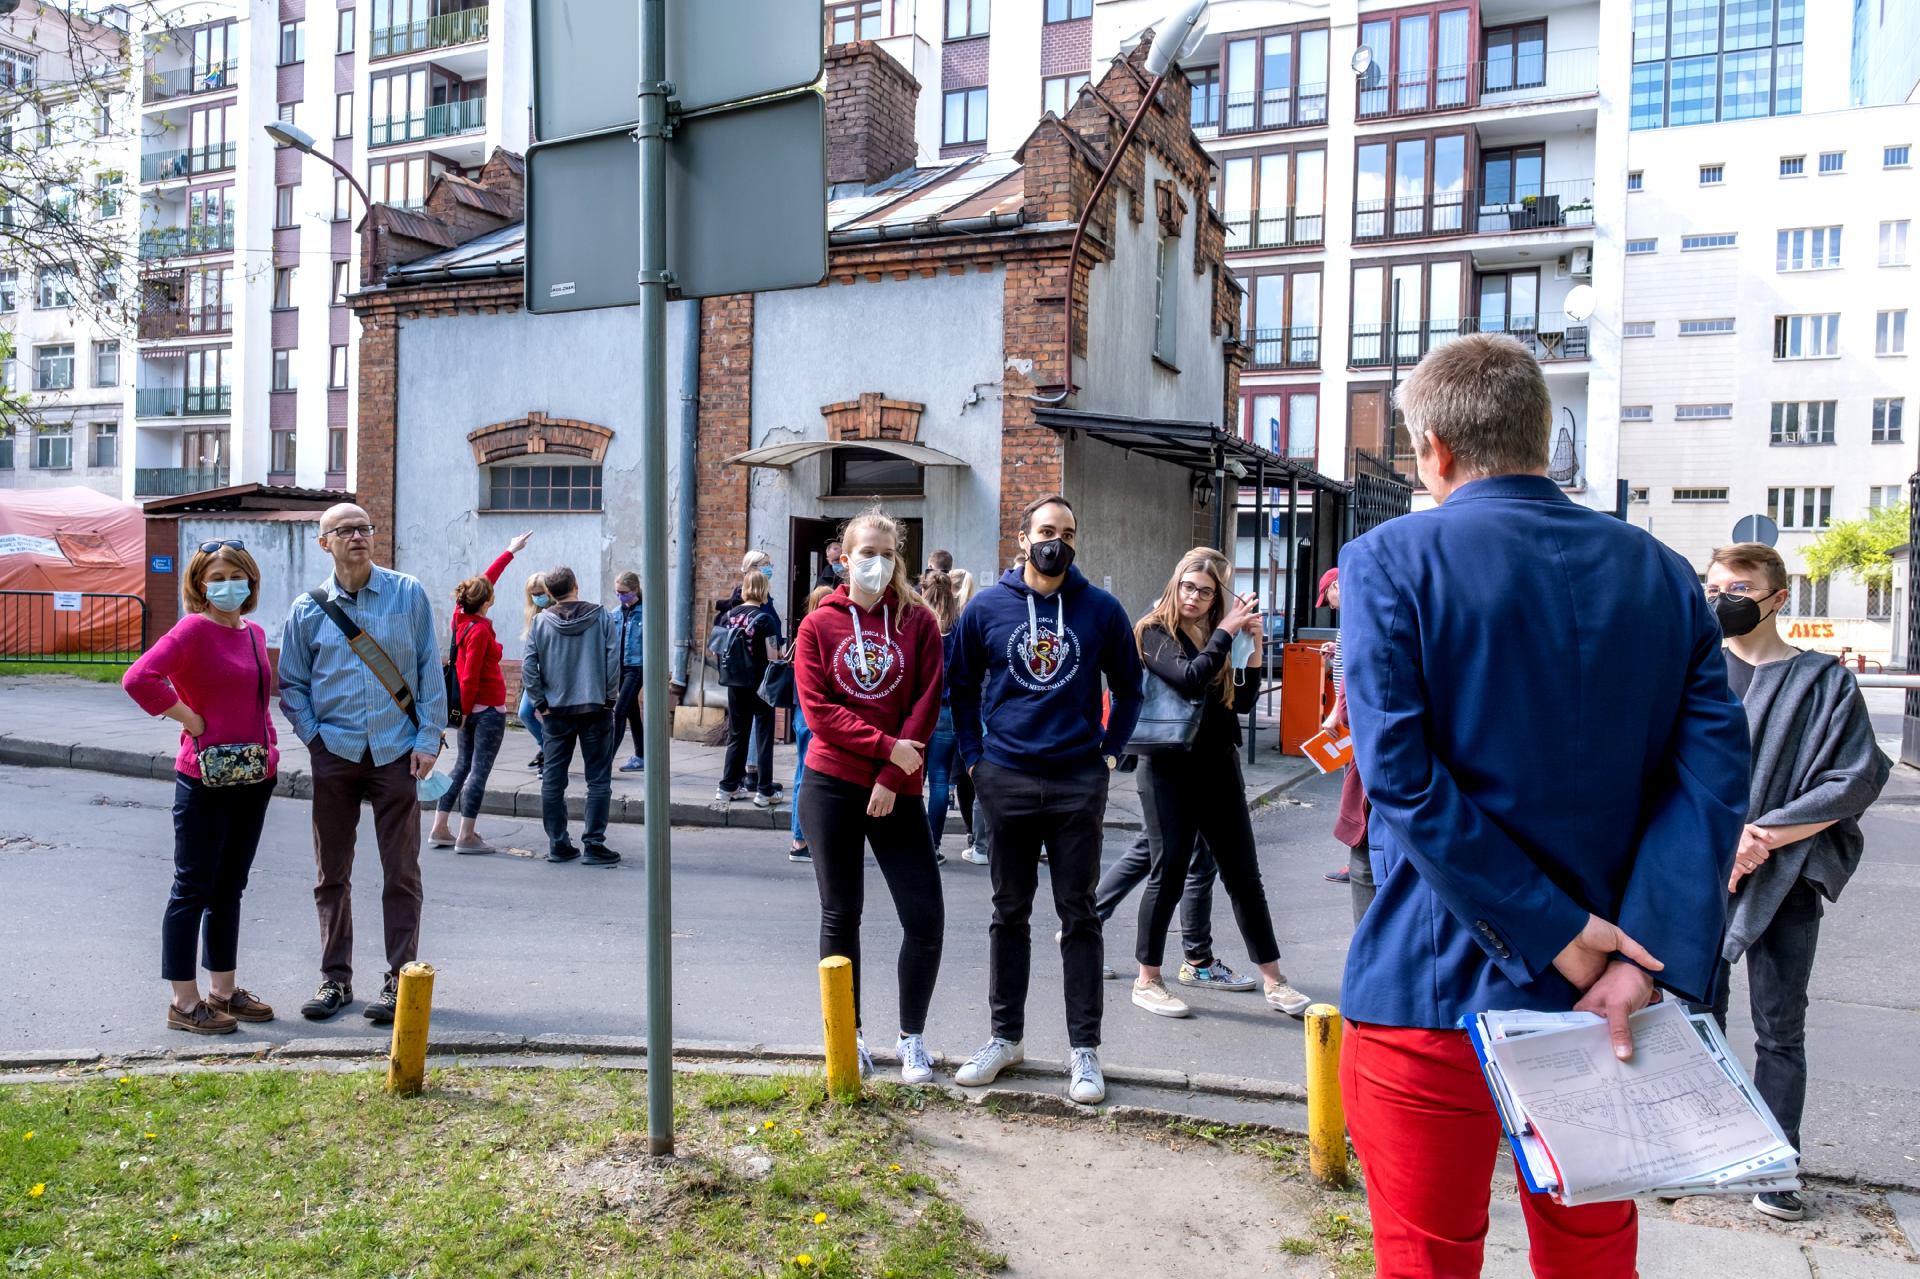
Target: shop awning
[
  {"x": 1198, "y": 446},
  {"x": 781, "y": 456}
]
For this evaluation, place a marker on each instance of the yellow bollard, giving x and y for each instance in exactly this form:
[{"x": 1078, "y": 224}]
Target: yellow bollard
[
  {"x": 836, "y": 1015},
  {"x": 1326, "y": 1117},
  {"x": 407, "y": 1061}
]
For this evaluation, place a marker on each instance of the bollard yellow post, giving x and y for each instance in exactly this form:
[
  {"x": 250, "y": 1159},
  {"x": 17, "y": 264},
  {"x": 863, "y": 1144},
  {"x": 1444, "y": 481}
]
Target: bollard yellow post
[
  {"x": 836, "y": 1015},
  {"x": 1326, "y": 1117},
  {"x": 407, "y": 1061}
]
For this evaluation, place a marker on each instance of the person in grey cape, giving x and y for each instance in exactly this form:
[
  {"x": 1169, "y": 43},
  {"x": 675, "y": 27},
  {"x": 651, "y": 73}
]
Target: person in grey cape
[{"x": 1816, "y": 769}]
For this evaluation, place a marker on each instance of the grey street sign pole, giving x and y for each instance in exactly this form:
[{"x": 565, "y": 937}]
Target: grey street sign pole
[{"x": 652, "y": 137}]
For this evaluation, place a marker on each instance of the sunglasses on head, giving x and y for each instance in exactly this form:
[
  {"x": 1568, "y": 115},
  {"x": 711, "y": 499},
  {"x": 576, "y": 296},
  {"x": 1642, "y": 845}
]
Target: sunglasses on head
[{"x": 211, "y": 547}]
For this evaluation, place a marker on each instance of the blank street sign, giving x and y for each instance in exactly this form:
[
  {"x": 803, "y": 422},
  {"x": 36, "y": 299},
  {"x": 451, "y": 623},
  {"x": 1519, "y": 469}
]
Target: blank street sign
[
  {"x": 1756, "y": 528},
  {"x": 583, "y": 223}
]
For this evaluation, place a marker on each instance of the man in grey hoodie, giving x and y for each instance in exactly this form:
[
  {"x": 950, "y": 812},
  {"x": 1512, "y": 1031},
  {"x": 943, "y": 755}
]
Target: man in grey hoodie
[{"x": 571, "y": 671}]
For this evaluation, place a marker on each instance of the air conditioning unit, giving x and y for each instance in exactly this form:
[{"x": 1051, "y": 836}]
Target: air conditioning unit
[{"x": 1581, "y": 260}]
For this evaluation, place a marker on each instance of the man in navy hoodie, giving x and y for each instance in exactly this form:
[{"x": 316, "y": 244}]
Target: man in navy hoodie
[{"x": 1025, "y": 688}]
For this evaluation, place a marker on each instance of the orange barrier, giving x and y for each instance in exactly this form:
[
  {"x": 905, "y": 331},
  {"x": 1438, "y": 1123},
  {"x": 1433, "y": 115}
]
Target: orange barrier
[{"x": 1306, "y": 694}]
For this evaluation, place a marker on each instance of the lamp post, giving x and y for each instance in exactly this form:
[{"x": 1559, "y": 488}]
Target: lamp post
[{"x": 287, "y": 135}]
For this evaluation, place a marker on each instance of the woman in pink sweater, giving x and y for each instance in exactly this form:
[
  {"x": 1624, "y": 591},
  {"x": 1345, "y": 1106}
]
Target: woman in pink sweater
[{"x": 210, "y": 674}]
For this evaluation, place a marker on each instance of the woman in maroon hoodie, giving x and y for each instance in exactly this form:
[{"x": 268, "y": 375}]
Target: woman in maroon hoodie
[
  {"x": 867, "y": 662},
  {"x": 483, "y": 706}
]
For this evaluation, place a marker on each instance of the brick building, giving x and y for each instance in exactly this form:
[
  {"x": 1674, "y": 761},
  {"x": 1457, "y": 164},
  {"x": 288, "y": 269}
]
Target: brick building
[{"x": 926, "y": 372}]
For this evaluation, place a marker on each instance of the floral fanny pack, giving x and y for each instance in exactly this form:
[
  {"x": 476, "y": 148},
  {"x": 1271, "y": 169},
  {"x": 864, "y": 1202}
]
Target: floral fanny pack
[{"x": 237, "y": 763}]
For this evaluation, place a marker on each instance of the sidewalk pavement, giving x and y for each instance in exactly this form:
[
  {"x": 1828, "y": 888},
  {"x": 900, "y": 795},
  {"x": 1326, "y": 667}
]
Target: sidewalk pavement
[{"x": 56, "y": 721}]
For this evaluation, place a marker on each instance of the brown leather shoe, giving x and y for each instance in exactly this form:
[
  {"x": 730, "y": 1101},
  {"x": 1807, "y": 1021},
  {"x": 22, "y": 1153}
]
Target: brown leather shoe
[
  {"x": 242, "y": 1005},
  {"x": 201, "y": 1021}
]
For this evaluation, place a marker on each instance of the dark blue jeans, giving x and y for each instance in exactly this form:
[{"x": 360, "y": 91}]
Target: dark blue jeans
[
  {"x": 941, "y": 757},
  {"x": 594, "y": 731},
  {"x": 1779, "y": 966},
  {"x": 479, "y": 744},
  {"x": 801, "y": 736},
  {"x": 530, "y": 720},
  {"x": 216, "y": 830}
]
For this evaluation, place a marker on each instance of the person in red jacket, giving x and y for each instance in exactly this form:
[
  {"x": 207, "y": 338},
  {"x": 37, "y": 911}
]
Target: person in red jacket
[
  {"x": 867, "y": 663},
  {"x": 483, "y": 706}
]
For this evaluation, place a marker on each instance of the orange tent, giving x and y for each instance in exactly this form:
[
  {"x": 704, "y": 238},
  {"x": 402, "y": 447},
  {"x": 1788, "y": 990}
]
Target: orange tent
[{"x": 72, "y": 572}]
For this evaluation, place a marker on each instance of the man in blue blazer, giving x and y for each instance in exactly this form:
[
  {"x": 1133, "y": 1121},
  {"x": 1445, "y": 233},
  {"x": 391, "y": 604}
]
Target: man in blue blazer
[{"x": 1558, "y": 776}]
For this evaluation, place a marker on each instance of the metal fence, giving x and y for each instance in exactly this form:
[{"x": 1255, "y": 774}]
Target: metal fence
[
  {"x": 72, "y": 627},
  {"x": 1379, "y": 493}
]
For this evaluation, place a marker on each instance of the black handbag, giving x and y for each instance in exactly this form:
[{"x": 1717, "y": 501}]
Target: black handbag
[
  {"x": 1169, "y": 719},
  {"x": 450, "y": 675},
  {"x": 776, "y": 686}
]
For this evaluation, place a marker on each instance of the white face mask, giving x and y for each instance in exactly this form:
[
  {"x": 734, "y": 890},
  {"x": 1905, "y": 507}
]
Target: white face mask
[{"x": 873, "y": 573}]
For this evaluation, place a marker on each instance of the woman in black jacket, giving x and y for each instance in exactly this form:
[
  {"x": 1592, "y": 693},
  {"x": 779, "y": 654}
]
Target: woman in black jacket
[{"x": 1202, "y": 640}]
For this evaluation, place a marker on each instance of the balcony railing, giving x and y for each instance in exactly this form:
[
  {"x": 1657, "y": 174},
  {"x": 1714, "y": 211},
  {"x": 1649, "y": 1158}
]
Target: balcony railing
[
  {"x": 1547, "y": 206},
  {"x": 161, "y": 321},
  {"x": 187, "y": 81},
  {"x": 1501, "y": 81},
  {"x": 1295, "y": 348},
  {"x": 175, "y": 401},
  {"x": 173, "y": 481},
  {"x": 1800, "y": 439},
  {"x": 1551, "y": 338},
  {"x": 164, "y": 166},
  {"x": 1286, "y": 107},
  {"x": 436, "y": 122},
  {"x": 464, "y": 26},
  {"x": 1274, "y": 228},
  {"x": 183, "y": 241}
]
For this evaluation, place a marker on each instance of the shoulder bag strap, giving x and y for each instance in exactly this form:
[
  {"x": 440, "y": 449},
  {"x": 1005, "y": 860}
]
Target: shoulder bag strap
[{"x": 368, "y": 650}]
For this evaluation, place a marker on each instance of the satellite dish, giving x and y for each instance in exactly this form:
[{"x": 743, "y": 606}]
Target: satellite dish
[
  {"x": 1179, "y": 36},
  {"x": 1579, "y": 303},
  {"x": 1362, "y": 60},
  {"x": 1756, "y": 528}
]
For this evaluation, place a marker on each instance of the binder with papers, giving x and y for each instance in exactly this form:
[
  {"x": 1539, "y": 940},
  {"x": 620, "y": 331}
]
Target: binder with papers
[{"x": 1679, "y": 1118}]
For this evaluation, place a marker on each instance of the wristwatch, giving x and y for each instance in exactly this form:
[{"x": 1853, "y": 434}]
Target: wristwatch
[{"x": 1113, "y": 762}]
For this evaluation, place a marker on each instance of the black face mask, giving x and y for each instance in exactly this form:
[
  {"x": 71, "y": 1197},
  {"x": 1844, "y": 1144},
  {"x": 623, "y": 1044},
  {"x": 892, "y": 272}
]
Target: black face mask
[
  {"x": 1736, "y": 614},
  {"x": 1050, "y": 558}
]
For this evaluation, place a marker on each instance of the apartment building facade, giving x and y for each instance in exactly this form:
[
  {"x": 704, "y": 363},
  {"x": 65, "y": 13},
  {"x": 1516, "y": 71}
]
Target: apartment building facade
[
  {"x": 244, "y": 369},
  {"x": 63, "y": 124}
]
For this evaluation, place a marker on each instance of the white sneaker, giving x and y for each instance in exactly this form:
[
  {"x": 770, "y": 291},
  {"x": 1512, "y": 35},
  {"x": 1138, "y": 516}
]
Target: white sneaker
[
  {"x": 1287, "y": 999},
  {"x": 762, "y": 801},
  {"x": 866, "y": 1058},
  {"x": 984, "y": 1067},
  {"x": 1086, "y": 1084},
  {"x": 916, "y": 1063},
  {"x": 1157, "y": 999},
  {"x": 722, "y": 795},
  {"x": 973, "y": 856}
]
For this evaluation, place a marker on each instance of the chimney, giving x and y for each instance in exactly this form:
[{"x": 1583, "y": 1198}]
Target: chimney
[{"x": 870, "y": 103}]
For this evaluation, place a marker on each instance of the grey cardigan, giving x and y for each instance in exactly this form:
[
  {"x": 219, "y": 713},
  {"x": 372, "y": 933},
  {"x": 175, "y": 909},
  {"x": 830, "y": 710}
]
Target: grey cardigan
[{"x": 1814, "y": 760}]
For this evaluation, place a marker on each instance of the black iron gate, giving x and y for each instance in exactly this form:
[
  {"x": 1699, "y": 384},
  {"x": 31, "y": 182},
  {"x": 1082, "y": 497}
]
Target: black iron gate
[
  {"x": 1379, "y": 493},
  {"x": 1910, "y": 722},
  {"x": 72, "y": 627}
]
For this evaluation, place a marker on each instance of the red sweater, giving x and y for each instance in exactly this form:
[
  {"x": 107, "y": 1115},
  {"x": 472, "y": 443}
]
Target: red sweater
[
  {"x": 479, "y": 661},
  {"x": 857, "y": 709}
]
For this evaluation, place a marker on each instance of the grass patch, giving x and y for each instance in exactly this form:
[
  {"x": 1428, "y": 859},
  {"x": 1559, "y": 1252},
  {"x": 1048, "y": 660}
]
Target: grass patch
[
  {"x": 496, "y": 1173},
  {"x": 98, "y": 672}
]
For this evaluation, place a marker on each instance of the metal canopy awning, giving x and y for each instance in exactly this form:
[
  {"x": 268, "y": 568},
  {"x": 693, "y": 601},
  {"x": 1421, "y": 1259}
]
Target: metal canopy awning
[
  {"x": 781, "y": 456},
  {"x": 1198, "y": 446}
]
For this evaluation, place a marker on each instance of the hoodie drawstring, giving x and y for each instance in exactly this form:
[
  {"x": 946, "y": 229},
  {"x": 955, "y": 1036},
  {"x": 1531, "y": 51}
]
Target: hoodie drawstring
[
  {"x": 860, "y": 639},
  {"x": 1033, "y": 620}
]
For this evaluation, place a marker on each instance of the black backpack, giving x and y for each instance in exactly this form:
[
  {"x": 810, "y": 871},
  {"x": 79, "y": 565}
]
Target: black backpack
[
  {"x": 731, "y": 647},
  {"x": 450, "y": 673}
]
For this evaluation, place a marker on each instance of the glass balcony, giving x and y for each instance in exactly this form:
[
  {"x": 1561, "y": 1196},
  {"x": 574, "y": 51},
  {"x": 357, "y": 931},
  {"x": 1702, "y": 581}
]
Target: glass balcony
[
  {"x": 187, "y": 81},
  {"x": 1295, "y": 348},
  {"x": 176, "y": 401},
  {"x": 437, "y": 122},
  {"x": 1274, "y": 228},
  {"x": 1523, "y": 75},
  {"x": 1552, "y": 338},
  {"x": 173, "y": 481},
  {"x": 464, "y": 26},
  {"x": 1281, "y": 107},
  {"x": 1549, "y": 206},
  {"x": 183, "y": 241}
]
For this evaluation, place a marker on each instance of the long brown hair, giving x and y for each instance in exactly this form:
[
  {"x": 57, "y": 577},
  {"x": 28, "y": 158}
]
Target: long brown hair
[
  {"x": 473, "y": 593},
  {"x": 1166, "y": 613},
  {"x": 937, "y": 587},
  {"x": 874, "y": 517}
]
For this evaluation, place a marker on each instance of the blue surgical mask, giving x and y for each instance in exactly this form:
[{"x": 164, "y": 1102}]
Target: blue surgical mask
[
  {"x": 768, "y": 570},
  {"x": 541, "y": 601},
  {"x": 431, "y": 787},
  {"x": 229, "y": 595},
  {"x": 627, "y": 598},
  {"x": 1242, "y": 649}
]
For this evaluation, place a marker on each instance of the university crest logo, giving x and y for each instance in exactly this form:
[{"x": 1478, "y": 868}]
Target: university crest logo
[
  {"x": 1042, "y": 658},
  {"x": 876, "y": 676}
]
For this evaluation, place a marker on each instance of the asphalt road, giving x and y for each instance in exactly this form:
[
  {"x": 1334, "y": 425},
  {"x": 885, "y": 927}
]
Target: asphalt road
[{"x": 526, "y": 947}]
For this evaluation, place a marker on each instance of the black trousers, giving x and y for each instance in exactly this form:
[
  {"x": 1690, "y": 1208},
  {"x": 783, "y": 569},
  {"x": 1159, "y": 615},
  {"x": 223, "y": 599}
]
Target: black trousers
[
  {"x": 834, "y": 815},
  {"x": 1196, "y": 902},
  {"x": 1021, "y": 813},
  {"x": 1779, "y": 967},
  {"x": 1184, "y": 797},
  {"x": 745, "y": 713},
  {"x": 593, "y": 730},
  {"x": 216, "y": 830},
  {"x": 626, "y": 711}
]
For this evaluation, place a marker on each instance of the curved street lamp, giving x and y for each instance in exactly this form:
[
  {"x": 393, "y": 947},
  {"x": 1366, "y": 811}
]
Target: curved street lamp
[{"x": 299, "y": 139}]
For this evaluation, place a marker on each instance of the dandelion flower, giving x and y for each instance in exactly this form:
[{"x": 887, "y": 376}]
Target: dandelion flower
[
  {"x": 893, "y": 1167},
  {"x": 29, "y": 1136},
  {"x": 804, "y": 1260},
  {"x": 1342, "y": 1218},
  {"x": 819, "y": 1218},
  {"x": 176, "y": 1239},
  {"x": 37, "y": 1191},
  {"x": 125, "y": 1079},
  {"x": 153, "y": 1136},
  {"x": 768, "y": 1124}
]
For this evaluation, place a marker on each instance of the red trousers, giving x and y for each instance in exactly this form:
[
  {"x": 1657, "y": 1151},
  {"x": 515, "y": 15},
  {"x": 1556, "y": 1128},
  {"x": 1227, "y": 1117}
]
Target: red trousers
[{"x": 1427, "y": 1134}]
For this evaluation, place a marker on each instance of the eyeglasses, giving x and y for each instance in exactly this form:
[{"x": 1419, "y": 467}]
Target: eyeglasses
[
  {"x": 352, "y": 532},
  {"x": 1740, "y": 590},
  {"x": 1201, "y": 593},
  {"x": 211, "y": 547}
]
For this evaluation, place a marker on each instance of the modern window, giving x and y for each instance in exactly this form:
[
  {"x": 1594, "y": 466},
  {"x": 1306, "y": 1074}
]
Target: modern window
[
  {"x": 1806, "y": 337},
  {"x": 9, "y": 291},
  {"x": 342, "y": 200},
  {"x": 397, "y": 105},
  {"x": 108, "y": 190},
  {"x": 16, "y": 68},
  {"x": 1205, "y": 110},
  {"x": 1880, "y": 599},
  {"x": 1717, "y": 240},
  {"x": 1793, "y": 166},
  {"x": 1797, "y": 422},
  {"x": 1893, "y": 243},
  {"x": 289, "y": 113},
  {"x": 286, "y": 451},
  {"x": 1700, "y": 495},
  {"x": 1833, "y": 161},
  {"x": 104, "y": 449},
  {"x": 1281, "y": 320},
  {"x": 966, "y": 117},
  {"x": 284, "y": 376},
  {"x": 1059, "y": 93},
  {"x": 1896, "y": 157},
  {"x": 10, "y": 376},
  {"x": 1637, "y": 329},
  {"x": 1800, "y": 507},
  {"x": 1712, "y": 175},
  {"x": 859, "y": 20},
  {"x": 1881, "y": 496},
  {"x": 283, "y": 286},
  {"x": 106, "y": 363},
  {"x": 1410, "y": 187},
  {"x": 210, "y": 142},
  {"x": 1636, "y": 181},
  {"x": 1274, "y": 198},
  {"x": 1639, "y": 495},
  {"x": 1701, "y": 412},
  {"x": 343, "y": 31},
  {"x": 1698, "y": 61},
  {"x": 208, "y": 307},
  {"x": 283, "y": 206},
  {"x": 1886, "y": 420},
  {"x": 1805, "y": 597},
  {"x": 1636, "y": 413},
  {"x": 342, "y": 282},
  {"x": 1890, "y": 333},
  {"x": 1515, "y": 56},
  {"x": 53, "y": 367},
  {"x": 343, "y": 115},
  {"x": 1637, "y": 248},
  {"x": 401, "y": 182},
  {"x": 293, "y": 43},
  {"x": 208, "y": 390},
  {"x": 1807, "y": 249},
  {"x": 337, "y": 369},
  {"x": 562, "y": 488},
  {"x": 871, "y": 473},
  {"x": 964, "y": 18},
  {"x": 1275, "y": 79},
  {"x": 1429, "y": 298},
  {"x": 1699, "y": 328},
  {"x": 56, "y": 288},
  {"x": 53, "y": 447},
  {"x": 209, "y": 220},
  {"x": 1166, "y": 301},
  {"x": 1420, "y": 61},
  {"x": 337, "y": 450},
  {"x": 1068, "y": 10},
  {"x": 1285, "y": 420}
]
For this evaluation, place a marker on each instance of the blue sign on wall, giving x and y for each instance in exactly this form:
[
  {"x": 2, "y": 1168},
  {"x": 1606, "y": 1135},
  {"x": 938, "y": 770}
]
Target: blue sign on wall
[{"x": 161, "y": 564}]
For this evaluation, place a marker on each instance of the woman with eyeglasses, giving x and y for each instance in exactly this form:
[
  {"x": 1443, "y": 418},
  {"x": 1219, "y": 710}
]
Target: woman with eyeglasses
[
  {"x": 1203, "y": 641},
  {"x": 483, "y": 713},
  {"x": 210, "y": 674}
]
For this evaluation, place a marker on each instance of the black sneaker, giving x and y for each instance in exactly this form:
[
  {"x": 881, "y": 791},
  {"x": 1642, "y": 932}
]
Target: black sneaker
[
  {"x": 601, "y": 856},
  {"x": 537, "y": 762},
  {"x": 800, "y": 854},
  {"x": 1781, "y": 1205},
  {"x": 564, "y": 853},
  {"x": 380, "y": 1011},
  {"x": 328, "y": 1000}
]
